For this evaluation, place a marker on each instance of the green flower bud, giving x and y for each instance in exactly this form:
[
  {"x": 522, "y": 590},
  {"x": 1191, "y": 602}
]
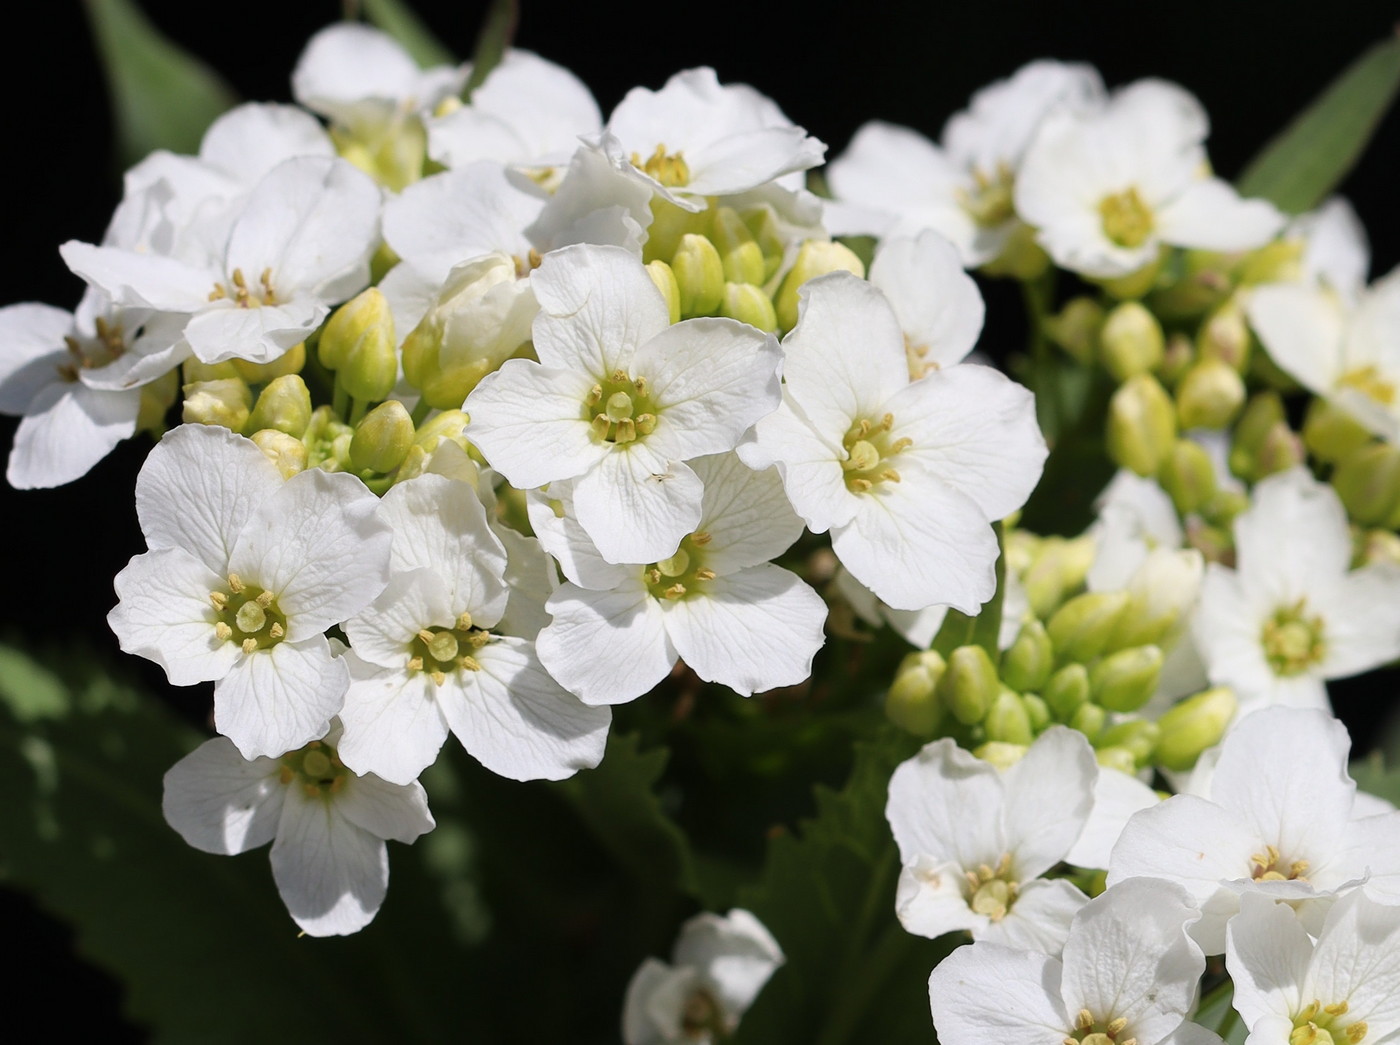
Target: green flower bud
[
  {"x": 1205, "y": 280},
  {"x": 1209, "y": 395},
  {"x": 1276, "y": 262},
  {"x": 1131, "y": 341},
  {"x": 1067, "y": 691},
  {"x": 391, "y": 151},
  {"x": 1141, "y": 425},
  {"x": 359, "y": 337},
  {"x": 1027, "y": 664},
  {"x": 969, "y": 685},
  {"x": 446, "y": 425},
  {"x": 1225, "y": 337},
  {"x": 1192, "y": 726},
  {"x": 194, "y": 372},
  {"x": 1007, "y": 720},
  {"x": 1280, "y": 451},
  {"x": 1263, "y": 412},
  {"x": 1089, "y": 719},
  {"x": 1037, "y": 710},
  {"x": 285, "y": 404},
  {"x": 1000, "y": 754},
  {"x": 1119, "y": 758},
  {"x": 668, "y": 224},
  {"x": 1081, "y": 629},
  {"x": 1059, "y": 567},
  {"x": 1331, "y": 433},
  {"x": 382, "y": 438},
  {"x": 292, "y": 361},
  {"x": 1138, "y": 737},
  {"x": 912, "y": 703},
  {"x": 1188, "y": 476},
  {"x": 764, "y": 227},
  {"x": 225, "y": 402},
  {"x": 1126, "y": 680},
  {"x": 157, "y": 397},
  {"x": 749, "y": 304},
  {"x": 327, "y": 441},
  {"x": 1076, "y": 328},
  {"x": 1368, "y": 482},
  {"x": 665, "y": 281},
  {"x": 738, "y": 250},
  {"x": 287, "y": 452},
  {"x": 699, "y": 276},
  {"x": 1176, "y": 359},
  {"x": 815, "y": 258}
]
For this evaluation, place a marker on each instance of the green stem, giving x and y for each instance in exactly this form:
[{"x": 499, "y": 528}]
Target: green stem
[
  {"x": 358, "y": 409},
  {"x": 1038, "y": 295},
  {"x": 340, "y": 399},
  {"x": 420, "y": 413}
]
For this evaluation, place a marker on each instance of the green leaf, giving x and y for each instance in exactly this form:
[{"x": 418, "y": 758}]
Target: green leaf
[
  {"x": 959, "y": 629},
  {"x": 852, "y": 973},
  {"x": 162, "y": 97},
  {"x": 1217, "y": 1013},
  {"x": 497, "y": 32},
  {"x": 399, "y": 21},
  {"x": 1309, "y": 157}
]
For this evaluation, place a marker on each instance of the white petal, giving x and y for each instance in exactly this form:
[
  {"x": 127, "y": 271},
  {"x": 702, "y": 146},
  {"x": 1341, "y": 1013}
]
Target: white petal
[
  {"x": 553, "y": 519},
  {"x": 929, "y": 898},
  {"x": 606, "y": 647},
  {"x": 1117, "y": 796},
  {"x": 1362, "y": 621},
  {"x": 331, "y": 874},
  {"x": 347, "y": 62},
  {"x": 384, "y": 809},
  {"x": 1301, "y": 328},
  {"x": 224, "y": 331},
  {"x": 221, "y": 802},
  {"x": 735, "y": 953},
  {"x": 945, "y": 803},
  {"x": 636, "y": 505},
  {"x": 1267, "y": 952},
  {"x": 1210, "y": 215},
  {"x": 250, "y": 140},
  {"x": 1358, "y": 959},
  {"x": 745, "y": 512},
  {"x": 809, "y": 463},
  {"x": 142, "y": 280},
  {"x": 987, "y": 992},
  {"x": 939, "y": 306},
  {"x": 279, "y": 699},
  {"x": 1049, "y": 793},
  {"x": 69, "y": 429},
  {"x": 1040, "y": 918},
  {"x": 393, "y": 725},
  {"x": 31, "y": 345}
]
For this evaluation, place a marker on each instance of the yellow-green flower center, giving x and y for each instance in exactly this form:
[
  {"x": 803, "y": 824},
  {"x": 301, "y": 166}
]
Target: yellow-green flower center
[
  {"x": 702, "y": 1019},
  {"x": 438, "y": 652},
  {"x": 620, "y": 409},
  {"x": 247, "y": 616},
  {"x": 316, "y": 768},
  {"x": 682, "y": 574},
  {"x": 108, "y": 345},
  {"x": 989, "y": 201},
  {"x": 1127, "y": 220},
  {"x": 1319, "y": 1024},
  {"x": 1293, "y": 642},
  {"x": 1090, "y": 1030},
  {"x": 991, "y": 891},
  {"x": 238, "y": 291},
  {"x": 670, "y": 169},
  {"x": 869, "y": 453},
  {"x": 1269, "y": 866}
]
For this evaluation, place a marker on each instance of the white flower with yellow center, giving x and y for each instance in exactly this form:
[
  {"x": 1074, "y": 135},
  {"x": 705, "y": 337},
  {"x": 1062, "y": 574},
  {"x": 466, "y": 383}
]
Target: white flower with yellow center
[
  {"x": 907, "y": 475},
  {"x": 717, "y": 602},
  {"x": 1280, "y": 820},
  {"x": 327, "y": 825},
  {"x": 433, "y": 654},
  {"x": 974, "y": 840},
  {"x": 1341, "y": 989},
  {"x": 939, "y": 328},
  {"x": 244, "y": 574},
  {"x": 1107, "y": 187},
  {"x": 1292, "y": 614},
  {"x": 620, "y": 400},
  {"x": 1129, "y": 976}
]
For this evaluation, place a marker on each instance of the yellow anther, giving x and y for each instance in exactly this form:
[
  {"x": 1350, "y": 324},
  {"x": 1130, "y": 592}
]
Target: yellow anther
[
  {"x": 425, "y": 635},
  {"x": 704, "y": 574},
  {"x": 415, "y": 663},
  {"x": 464, "y": 621},
  {"x": 640, "y": 385},
  {"x": 1336, "y": 1008},
  {"x": 887, "y": 422},
  {"x": 1356, "y": 1032},
  {"x": 534, "y": 258},
  {"x": 1115, "y": 1027},
  {"x": 1127, "y": 219},
  {"x": 890, "y": 475},
  {"x": 601, "y": 426},
  {"x": 219, "y": 599},
  {"x": 223, "y": 631},
  {"x": 646, "y": 424},
  {"x": 311, "y": 788},
  {"x": 675, "y": 591},
  {"x": 861, "y": 485},
  {"x": 626, "y": 431},
  {"x": 235, "y": 583},
  {"x": 285, "y": 775},
  {"x": 653, "y": 576},
  {"x": 620, "y": 377},
  {"x": 900, "y": 445},
  {"x": 468, "y": 663},
  {"x": 1299, "y": 869},
  {"x": 238, "y": 280},
  {"x": 264, "y": 600},
  {"x": 477, "y": 639},
  {"x": 700, "y": 538},
  {"x": 863, "y": 429},
  {"x": 250, "y": 645},
  {"x": 595, "y": 395},
  {"x": 1084, "y": 1020},
  {"x": 438, "y": 677},
  {"x": 1128, "y": 1041},
  {"x": 276, "y": 631}
]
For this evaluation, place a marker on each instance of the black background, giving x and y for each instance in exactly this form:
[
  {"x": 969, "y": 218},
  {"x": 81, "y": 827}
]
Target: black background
[{"x": 831, "y": 68}]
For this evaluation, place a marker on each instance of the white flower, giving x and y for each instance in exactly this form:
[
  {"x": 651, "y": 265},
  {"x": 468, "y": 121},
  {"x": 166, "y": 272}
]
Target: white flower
[
  {"x": 620, "y": 399},
  {"x": 906, "y": 475},
  {"x": 717, "y": 602},
  {"x": 893, "y": 181},
  {"x": 974, "y": 841},
  {"x": 1280, "y": 820},
  {"x": 717, "y": 969},
  {"x": 1291, "y": 614},
  {"x": 428, "y": 656},
  {"x": 245, "y": 574},
  {"x": 1129, "y": 973},
  {"x": 329, "y": 826},
  {"x": 938, "y": 305},
  {"x": 1107, "y": 187},
  {"x": 1343, "y": 987}
]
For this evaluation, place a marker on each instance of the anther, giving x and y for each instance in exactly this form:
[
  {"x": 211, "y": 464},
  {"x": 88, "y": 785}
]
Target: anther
[
  {"x": 641, "y": 386},
  {"x": 250, "y": 645},
  {"x": 219, "y": 599},
  {"x": 700, "y": 538},
  {"x": 861, "y": 485},
  {"x": 1084, "y": 1020},
  {"x": 235, "y": 583},
  {"x": 890, "y": 474},
  {"x": 264, "y": 600},
  {"x": 276, "y": 631},
  {"x": 1116, "y": 1026},
  {"x": 415, "y": 663},
  {"x": 675, "y": 591},
  {"x": 900, "y": 445},
  {"x": 468, "y": 663},
  {"x": 595, "y": 395},
  {"x": 438, "y": 677},
  {"x": 223, "y": 631},
  {"x": 887, "y": 422},
  {"x": 464, "y": 621},
  {"x": 704, "y": 574}
]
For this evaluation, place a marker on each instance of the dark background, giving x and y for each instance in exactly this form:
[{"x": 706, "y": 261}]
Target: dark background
[{"x": 1252, "y": 65}]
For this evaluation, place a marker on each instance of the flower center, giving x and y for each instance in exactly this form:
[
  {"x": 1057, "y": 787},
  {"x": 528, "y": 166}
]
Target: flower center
[
  {"x": 702, "y": 1019},
  {"x": 869, "y": 450},
  {"x": 1127, "y": 220},
  {"x": 991, "y": 892},
  {"x": 683, "y": 573},
  {"x": 238, "y": 291},
  {"x": 247, "y": 616},
  {"x": 670, "y": 169},
  {"x": 317, "y": 768},
  {"x": 1089, "y": 1030},
  {"x": 1268, "y": 866},
  {"x": 108, "y": 345},
  {"x": 1317, "y": 1024},
  {"x": 439, "y": 651},
  {"x": 1293, "y": 642},
  {"x": 1368, "y": 381},
  {"x": 915, "y": 355},
  {"x": 619, "y": 409},
  {"x": 989, "y": 200}
]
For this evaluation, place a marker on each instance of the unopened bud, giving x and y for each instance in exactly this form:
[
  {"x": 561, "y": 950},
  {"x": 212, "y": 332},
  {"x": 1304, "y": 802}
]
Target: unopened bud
[
  {"x": 1027, "y": 664},
  {"x": 1081, "y": 628},
  {"x": 287, "y": 452},
  {"x": 699, "y": 275},
  {"x": 749, "y": 304},
  {"x": 1059, "y": 567},
  {"x": 193, "y": 372},
  {"x": 1000, "y": 754},
  {"x": 912, "y": 703},
  {"x": 665, "y": 281},
  {"x": 1076, "y": 328},
  {"x": 1368, "y": 482},
  {"x": 1192, "y": 726},
  {"x": 1007, "y": 720},
  {"x": 327, "y": 441},
  {"x": 225, "y": 402},
  {"x": 1280, "y": 451},
  {"x": 382, "y": 438},
  {"x": 448, "y": 424},
  {"x": 1276, "y": 262},
  {"x": 1332, "y": 433},
  {"x": 1176, "y": 359},
  {"x": 1137, "y": 736},
  {"x": 815, "y": 258},
  {"x": 1261, "y": 414},
  {"x": 1205, "y": 279},
  {"x": 1188, "y": 476},
  {"x": 1131, "y": 341},
  {"x": 1209, "y": 395},
  {"x": 1225, "y": 336},
  {"x": 1037, "y": 710},
  {"x": 1116, "y": 758},
  {"x": 764, "y": 227},
  {"x": 1126, "y": 680},
  {"x": 1141, "y": 425},
  {"x": 285, "y": 405},
  {"x": 738, "y": 250},
  {"x": 358, "y": 344},
  {"x": 1089, "y": 719},
  {"x": 157, "y": 397},
  {"x": 969, "y": 685},
  {"x": 1067, "y": 689},
  {"x": 292, "y": 361}
]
